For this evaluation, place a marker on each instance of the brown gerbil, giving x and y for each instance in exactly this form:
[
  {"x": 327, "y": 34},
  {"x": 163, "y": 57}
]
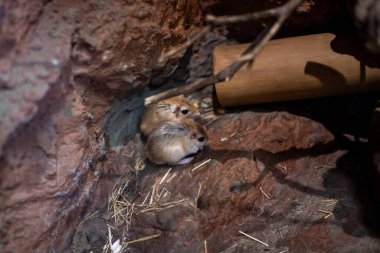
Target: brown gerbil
[
  {"x": 172, "y": 109},
  {"x": 175, "y": 142}
]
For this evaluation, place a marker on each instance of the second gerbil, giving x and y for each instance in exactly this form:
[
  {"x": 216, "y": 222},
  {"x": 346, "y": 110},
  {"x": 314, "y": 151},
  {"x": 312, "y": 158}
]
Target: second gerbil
[{"x": 175, "y": 142}]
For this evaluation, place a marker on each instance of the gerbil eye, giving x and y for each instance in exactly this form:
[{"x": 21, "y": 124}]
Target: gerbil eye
[
  {"x": 193, "y": 135},
  {"x": 201, "y": 139},
  {"x": 184, "y": 111}
]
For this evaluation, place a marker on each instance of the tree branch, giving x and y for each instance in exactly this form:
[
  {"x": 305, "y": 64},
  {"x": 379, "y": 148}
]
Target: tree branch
[{"x": 282, "y": 13}]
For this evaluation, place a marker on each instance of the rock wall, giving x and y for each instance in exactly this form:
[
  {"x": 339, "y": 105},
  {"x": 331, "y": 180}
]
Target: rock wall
[{"x": 51, "y": 121}]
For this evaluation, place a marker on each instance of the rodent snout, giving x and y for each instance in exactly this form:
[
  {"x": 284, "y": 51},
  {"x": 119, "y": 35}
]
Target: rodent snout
[{"x": 195, "y": 115}]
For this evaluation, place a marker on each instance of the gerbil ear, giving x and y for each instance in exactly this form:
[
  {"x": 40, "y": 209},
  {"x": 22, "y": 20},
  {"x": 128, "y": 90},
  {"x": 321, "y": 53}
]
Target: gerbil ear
[{"x": 174, "y": 108}]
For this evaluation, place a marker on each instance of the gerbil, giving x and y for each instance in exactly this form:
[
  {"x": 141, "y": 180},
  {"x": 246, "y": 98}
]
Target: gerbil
[
  {"x": 175, "y": 142},
  {"x": 172, "y": 109}
]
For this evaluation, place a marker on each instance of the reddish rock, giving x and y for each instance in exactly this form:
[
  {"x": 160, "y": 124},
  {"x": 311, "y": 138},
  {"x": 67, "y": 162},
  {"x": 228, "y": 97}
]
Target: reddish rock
[
  {"x": 51, "y": 134},
  {"x": 122, "y": 51},
  {"x": 274, "y": 176}
]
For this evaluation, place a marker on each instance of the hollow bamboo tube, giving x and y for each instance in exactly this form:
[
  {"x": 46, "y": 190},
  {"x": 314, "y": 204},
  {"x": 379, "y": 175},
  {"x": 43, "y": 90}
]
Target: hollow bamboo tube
[{"x": 296, "y": 68}]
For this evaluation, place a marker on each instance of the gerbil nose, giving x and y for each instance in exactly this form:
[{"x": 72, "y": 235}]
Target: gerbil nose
[{"x": 196, "y": 115}]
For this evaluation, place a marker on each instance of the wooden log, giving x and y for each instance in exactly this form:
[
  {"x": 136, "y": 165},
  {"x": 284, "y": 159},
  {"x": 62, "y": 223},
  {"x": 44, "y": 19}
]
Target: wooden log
[{"x": 296, "y": 68}]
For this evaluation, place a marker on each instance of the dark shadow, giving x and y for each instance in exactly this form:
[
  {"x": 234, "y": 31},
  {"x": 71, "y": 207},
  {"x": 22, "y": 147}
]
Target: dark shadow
[
  {"x": 350, "y": 44},
  {"x": 122, "y": 121},
  {"x": 326, "y": 74},
  {"x": 341, "y": 115},
  {"x": 270, "y": 159},
  {"x": 324, "y": 16},
  {"x": 374, "y": 142},
  {"x": 353, "y": 173},
  {"x": 348, "y": 119},
  {"x": 357, "y": 216}
]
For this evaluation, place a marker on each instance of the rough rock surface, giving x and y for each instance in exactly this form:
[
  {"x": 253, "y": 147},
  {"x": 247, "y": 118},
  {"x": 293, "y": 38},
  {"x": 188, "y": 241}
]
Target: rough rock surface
[
  {"x": 122, "y": 51},
  {"x": 51, "y": 124},
  {"x": 275, "y": 175}
]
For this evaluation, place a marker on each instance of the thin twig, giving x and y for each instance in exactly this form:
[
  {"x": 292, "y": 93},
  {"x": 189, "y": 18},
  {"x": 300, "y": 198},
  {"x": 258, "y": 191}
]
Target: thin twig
[
  {"x": 170, "y": 178},
  {"x": 328, "y": 214},
  {"x": 197, "y": 198},
  {"x": 186, "y": 89},
  {"x": 222, "y": 20},
  {"x": 264, "y": 194},
  {"x": 253, "y": 238},
  {"x": 282, "y": 13},
  {"x": 144, "y": 238},
  {"x": 86, "y": 218},
  {"x": 200, "y": 165},
  {"x": 164, "y": 177},
  {"x": 166, "y": 56},
  {"x": 145, "y": 199},
  {"x": 283, "y": 167}
]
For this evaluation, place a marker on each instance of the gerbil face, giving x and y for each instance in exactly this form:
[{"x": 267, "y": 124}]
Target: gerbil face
[
  {"x": 184, "y": 108},
  {"x": 197, "y": 140}
]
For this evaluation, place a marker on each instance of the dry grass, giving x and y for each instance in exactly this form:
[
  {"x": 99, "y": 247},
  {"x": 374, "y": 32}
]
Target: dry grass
[
  {"x": 330, "y": 205},
  {"x": 120, "y": 245},
  {"x": 113, "y": 247},
  {"x": 264, "y": 193},
  {"x": 253, "y": 238},
  {"x": 334, "y": 202},
  {"x": 283, "y": 166},
  {"x": 123, "y": 209},
  {"x": 328, "y": 213},
  {"x": 145, "y": 238},
  {"x": 200, "y": 165},
  {"x": 139, "y": 166},
  {"x": 194, "y": 204},
  {"x": 86, "y": 218}
]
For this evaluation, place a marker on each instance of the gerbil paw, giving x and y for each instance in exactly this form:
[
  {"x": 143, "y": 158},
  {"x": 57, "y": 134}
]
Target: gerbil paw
[{"x": 185, "y": 160}]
